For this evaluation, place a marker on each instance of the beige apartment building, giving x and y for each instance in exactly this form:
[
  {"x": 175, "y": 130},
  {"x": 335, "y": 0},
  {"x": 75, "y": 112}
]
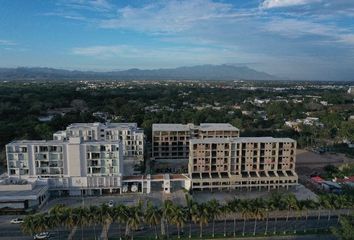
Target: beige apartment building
[
  {"x": 242, "y": 163},
  {"x": 171, "y": 141}
]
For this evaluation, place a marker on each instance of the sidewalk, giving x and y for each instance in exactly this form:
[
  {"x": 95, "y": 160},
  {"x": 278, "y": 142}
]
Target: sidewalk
[{"x": 304, "y": 237}]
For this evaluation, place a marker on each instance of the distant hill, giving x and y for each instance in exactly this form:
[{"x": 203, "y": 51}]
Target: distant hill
[{"x": 200, "y": 72}]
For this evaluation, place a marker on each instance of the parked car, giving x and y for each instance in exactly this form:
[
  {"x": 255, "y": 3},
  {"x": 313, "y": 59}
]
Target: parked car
[
  {"x": 16, "y": 221},
  {"x": 42, "y": 235}
]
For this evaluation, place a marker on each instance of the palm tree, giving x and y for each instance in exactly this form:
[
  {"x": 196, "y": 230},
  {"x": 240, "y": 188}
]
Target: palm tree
[
  {"x": 275, "y": 202},
  {"x": 178, "y": 218},
  {"x": 167, "y": 213},
  {"x": 35, "y": 223},
  {"x": 92, "y": 214},
  {"x": 41, "y": 222},
  {"x": 106, "y": 218},
  {"x": 225, "y": 210},
  {"x": 267, "y": 221},
  {"x": 120, "y": 216},
  {"x": 82, "y": 218},
  {"x": 135, "y": 218},
  {"x": 202, "y": 217},
  {"x": 153, "y": 216},
  {"x": 189, "y": 211},
  {"x": 28, "y": 225},
  {"x": 214, "y": 209},
  {"x": 56, "y": 217},
  {"x": 234, "y": 207},
  {"x": 257, "y": 211},
  {"x": 246, "y": 213},
  {"x": 291, "y": 204},
  {"x": 70, "y": 221}
]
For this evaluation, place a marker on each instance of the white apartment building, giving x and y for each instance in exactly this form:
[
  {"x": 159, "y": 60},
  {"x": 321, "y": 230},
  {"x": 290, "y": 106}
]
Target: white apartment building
[
  {"x": 242, "y": 163},
  {"x": 129, "y": 134},
  {"x": 70, "y": 166}
]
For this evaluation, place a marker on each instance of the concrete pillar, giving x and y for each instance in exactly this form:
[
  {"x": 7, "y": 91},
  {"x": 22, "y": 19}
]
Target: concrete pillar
[
  {"x": 148, "y": 184},
  {"x": 166, "y": 184}
]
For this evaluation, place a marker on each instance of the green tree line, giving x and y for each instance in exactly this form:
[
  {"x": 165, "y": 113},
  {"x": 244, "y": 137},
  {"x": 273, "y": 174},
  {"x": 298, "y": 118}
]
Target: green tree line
[{"x": 159, "y": 218}]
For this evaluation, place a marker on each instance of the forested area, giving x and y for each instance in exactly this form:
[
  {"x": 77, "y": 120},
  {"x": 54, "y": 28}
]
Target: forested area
[{"x": 22, "y": 103}]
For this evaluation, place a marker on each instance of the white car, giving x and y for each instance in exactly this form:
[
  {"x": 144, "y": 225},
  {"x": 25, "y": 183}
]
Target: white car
[
  {"x": 16, "y": 221},
  {"x": 111, "y": 203},
  {"x": 42, "y": 235}
]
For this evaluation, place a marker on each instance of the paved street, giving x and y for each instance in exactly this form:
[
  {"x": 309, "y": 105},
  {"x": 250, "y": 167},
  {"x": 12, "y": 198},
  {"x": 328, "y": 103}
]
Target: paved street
[{"x": 12, "y": 231}]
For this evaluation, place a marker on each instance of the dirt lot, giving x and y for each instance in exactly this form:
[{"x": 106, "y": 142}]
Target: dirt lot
[
  {"x": 299, "y": 191},
  {"x": 309, "y": 162}
]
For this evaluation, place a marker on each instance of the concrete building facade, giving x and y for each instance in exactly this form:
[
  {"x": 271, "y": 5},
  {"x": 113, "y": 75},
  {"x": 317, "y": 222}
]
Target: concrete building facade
[
  {"x": 129, "y": 134},
  {"x": 244, "y": 162},
  {"x": 70, "y": 166},
  {"x": 171, "y": 141}
]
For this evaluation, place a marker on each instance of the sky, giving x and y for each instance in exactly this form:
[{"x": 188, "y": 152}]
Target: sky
[{"x": 292, "y": 39}]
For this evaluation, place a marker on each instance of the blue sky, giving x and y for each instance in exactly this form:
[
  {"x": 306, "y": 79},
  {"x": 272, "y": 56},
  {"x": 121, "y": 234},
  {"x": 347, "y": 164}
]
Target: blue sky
[{"x": 294, "y": 39}]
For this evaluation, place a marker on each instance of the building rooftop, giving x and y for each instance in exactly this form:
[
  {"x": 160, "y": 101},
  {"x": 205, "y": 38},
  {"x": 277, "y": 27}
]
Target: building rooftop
[
  {"x": 60, "y": 142},
  {"x": 84, "y": 125},
  {"x": 217, "y": 127},
  {"x": 241, "y": 140},
  {"x": 171, "y": 127},
  {"x": 24, "y": 194},
  {"x": 102, "y": 125},
  {"x": 18, "y": 142},
  {"x": 190, "y": 126}
]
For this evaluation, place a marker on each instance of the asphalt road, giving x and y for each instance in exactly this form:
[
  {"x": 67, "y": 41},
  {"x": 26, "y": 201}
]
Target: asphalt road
[{"x": 13, "y": 231}]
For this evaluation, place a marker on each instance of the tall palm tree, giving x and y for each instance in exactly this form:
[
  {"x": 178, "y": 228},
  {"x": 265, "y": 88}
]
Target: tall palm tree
[
  {"x": 81, "y": 214},
  {"x": 56, "y": 217},
  {"x": 106, "y": 218},
  {"x": 178, "y": 218},
  {"x": 214, "y": 209},
  {"x": 275, "y": 202},
  {"x": 202, "y": 217},
  {"x": 41, "y": 222},
  {"x": 189, "y": 212},
  {"x": 225, "y": 210},
  {"x": 93, "y": 212},
  {"x": 267, "y": 220},
  {"x": 70, "y": 221},
  {"x": 257, "y": 211},
  {"x": 152, "y": 216},
  {"x": 234, "y": 207},
  {"x": 246, "y": 213},
  {"x": 134, "y": 219},
  {"x": 291, "y": 204},
  {"x": 167, "y": 213},
  {"x": 28, "y": 225},
  {"x": 120, "y": 216}
]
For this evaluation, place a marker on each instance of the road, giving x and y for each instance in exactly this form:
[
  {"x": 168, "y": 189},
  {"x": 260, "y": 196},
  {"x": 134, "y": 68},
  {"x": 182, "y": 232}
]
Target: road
[{"x": 13, "y": 231}]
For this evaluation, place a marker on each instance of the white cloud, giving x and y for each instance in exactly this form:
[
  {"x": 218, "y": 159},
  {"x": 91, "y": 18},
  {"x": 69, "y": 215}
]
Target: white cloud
[
  {"x": 91, "y": 5},
  {"x": 347, "y": 38},
  {"x": 102, "y": 51},
  {"x": 285, "y": 3},
  {"x": 299, "y": 28},
  {"x": 293, "y": 28},
  {"x": 4, "y": 42},
  {"x": 172, "y": 16},
  {"x": 67, "y": 15}
]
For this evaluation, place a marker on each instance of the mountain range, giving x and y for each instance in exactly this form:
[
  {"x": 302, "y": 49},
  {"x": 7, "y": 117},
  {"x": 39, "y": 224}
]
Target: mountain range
[{"x": 199, "y": 72}]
